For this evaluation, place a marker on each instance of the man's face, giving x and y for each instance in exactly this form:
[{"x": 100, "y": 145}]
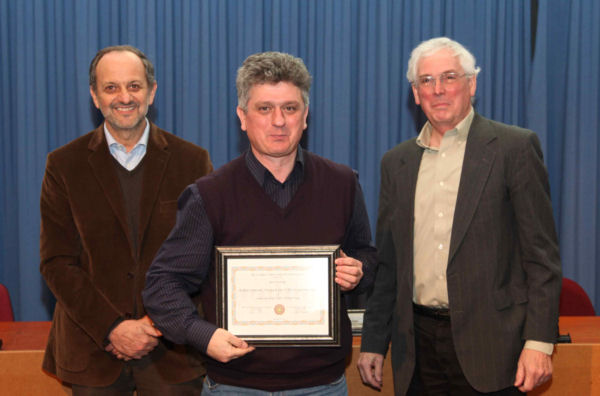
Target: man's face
[
  {"x": 444, "y": 105},
  {"x": 275, "y": 119},
  {"x": 122, "y": 93}
]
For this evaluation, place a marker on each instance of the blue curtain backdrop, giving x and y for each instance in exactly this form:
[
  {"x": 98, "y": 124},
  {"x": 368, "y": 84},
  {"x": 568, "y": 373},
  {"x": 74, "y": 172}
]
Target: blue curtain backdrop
[
  {"x": 361, "y": 103},
  {"x": 565, "y": 110}
]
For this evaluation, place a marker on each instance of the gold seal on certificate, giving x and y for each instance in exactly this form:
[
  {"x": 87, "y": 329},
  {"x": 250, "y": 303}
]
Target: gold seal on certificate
[
  {"x": 279, "y": 309},
  {"x": 279, "y": 295}
]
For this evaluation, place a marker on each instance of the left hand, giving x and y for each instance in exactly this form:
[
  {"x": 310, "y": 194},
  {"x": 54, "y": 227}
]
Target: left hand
[
  {"x": 348, "y": 272},
  {"x": 533, "y": 369}
]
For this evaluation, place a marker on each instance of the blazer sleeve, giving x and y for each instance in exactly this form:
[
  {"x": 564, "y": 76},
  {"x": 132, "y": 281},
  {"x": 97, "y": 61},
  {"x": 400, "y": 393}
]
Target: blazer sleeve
[
  {"x": 60, "y": 252},
  {"x": 530, "y": 196},
  {"x": 376, "y": 332}
]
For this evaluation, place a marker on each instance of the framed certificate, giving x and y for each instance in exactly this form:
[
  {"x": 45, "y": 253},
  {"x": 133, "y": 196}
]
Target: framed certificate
[{"x": 279, "y": 295}]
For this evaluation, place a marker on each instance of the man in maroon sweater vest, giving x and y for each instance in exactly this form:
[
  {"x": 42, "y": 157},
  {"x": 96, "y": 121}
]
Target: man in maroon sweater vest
[{"x": 274, "y": 194}]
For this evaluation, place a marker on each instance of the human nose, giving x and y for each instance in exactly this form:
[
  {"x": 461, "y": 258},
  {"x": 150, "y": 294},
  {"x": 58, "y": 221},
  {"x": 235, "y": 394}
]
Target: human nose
[
  {"x": 124, "y": 96},
  {"x": 278, "y": 119},
  {"x": 439, "y": 85}
]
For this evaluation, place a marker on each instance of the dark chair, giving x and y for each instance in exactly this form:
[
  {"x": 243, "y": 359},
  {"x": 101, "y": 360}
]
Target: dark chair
[
  {"x": 6, "y": 312},
  {"x": 574, "y": 301}
]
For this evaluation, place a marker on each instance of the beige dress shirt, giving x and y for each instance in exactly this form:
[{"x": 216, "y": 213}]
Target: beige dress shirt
[{"x": 435, "y": 200}]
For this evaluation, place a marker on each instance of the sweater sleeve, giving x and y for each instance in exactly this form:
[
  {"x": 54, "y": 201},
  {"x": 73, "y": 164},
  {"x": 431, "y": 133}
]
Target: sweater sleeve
[
  {"x": 358, "y": 241},
  {"x": 178, "y": 270}
]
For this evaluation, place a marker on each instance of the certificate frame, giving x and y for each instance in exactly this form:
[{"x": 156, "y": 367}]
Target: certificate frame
[{"x": 276, "y": 296}]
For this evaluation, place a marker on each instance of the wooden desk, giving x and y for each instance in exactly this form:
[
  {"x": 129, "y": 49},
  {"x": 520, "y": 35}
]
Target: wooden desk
[
  {"x": 23, "y": 345},
  {"x": 576, "y": 365}
]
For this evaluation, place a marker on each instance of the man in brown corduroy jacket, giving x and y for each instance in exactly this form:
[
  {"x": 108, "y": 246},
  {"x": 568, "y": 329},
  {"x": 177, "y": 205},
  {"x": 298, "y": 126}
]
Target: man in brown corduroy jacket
[{"x": 108, "y": 201}]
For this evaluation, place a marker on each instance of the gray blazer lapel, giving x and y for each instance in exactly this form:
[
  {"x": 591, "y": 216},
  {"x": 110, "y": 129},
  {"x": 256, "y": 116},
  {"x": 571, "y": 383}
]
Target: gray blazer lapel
[
  {"x": 479, "y": 157},
  {"x": 406, "y": 185},
  {"x": 411, "y": 161}
]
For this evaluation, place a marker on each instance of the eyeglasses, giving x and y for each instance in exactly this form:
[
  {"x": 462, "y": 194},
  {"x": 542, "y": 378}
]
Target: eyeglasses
[{"x": 445, "y": 79}]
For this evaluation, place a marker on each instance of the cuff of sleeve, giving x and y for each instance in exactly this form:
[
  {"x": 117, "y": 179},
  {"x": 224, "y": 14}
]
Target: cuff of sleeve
[
  {"x": 199, "y": 334},
  {"x": 539, "y": 346},
  {"x": 368, "y": 274}
]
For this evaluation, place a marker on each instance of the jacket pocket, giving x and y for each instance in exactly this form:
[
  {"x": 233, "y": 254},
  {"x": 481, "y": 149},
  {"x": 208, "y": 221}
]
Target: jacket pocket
[
  {"x": 506, "y": 297},
  {"x": 168, "y": 208},
  {"x": 73, "y": 346}
]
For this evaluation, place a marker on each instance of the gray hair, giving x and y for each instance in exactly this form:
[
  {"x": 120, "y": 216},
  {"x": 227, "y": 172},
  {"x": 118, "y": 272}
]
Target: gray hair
[
  {"x": 429, "y": 47},
  {"x": 148, "y": 66},
  {"x": 271, "y": 67}
]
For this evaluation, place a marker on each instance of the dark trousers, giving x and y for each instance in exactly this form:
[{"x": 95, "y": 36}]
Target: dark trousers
[
  {"x": 145, "y": 381},
  {"x": 437, "y": 370}
]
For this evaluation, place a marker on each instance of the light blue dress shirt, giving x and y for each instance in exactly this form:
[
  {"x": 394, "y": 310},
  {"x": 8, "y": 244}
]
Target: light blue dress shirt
[{"x": 129, "y": 160}]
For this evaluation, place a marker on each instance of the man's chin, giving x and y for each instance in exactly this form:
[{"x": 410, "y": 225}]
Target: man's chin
[{"x": 126, "y": 127}]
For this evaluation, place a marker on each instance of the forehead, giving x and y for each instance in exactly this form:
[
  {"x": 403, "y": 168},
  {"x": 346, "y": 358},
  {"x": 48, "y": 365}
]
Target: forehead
[
  {"x": 441, "y": 61},
  {"x": 120, "y": 65},
  {"x": 283, "y": 91}
]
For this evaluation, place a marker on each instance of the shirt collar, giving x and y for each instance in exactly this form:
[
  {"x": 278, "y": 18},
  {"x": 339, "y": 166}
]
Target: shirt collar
[
  {"x": 261, "y": 173},
  {"x": 462, "y": 130},
  {"x": 142, "y": 142}
]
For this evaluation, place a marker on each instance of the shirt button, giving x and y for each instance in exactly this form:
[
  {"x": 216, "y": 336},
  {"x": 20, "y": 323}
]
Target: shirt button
[
  {"x": 443, "y": 155},
  {"x": 440, "y": 246},
  {"x": 130, "y": 275},
  {"x": 440, "y": 214},
  {"x": 442, "y": 183}
]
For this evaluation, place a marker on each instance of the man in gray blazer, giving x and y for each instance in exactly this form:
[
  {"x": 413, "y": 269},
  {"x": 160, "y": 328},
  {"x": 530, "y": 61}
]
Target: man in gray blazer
[{"x": 469, "y": 275}]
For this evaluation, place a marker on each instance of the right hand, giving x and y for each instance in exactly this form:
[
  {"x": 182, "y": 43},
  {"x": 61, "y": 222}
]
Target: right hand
[
  {"x": 133, "y": 339},
  {"x": 370, "y": 367},
  {"x": 224, "y": 346}
]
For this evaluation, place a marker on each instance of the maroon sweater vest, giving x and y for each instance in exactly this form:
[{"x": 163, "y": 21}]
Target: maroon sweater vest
[{"x": 241, "y": 213}]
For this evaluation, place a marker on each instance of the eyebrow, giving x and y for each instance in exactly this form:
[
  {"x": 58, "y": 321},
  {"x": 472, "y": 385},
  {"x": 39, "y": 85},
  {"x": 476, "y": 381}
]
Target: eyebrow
[
  {"x": 117, "y": 83},
  {"x": 446, "y": 71},
  {"x": 269, "y": 102}
]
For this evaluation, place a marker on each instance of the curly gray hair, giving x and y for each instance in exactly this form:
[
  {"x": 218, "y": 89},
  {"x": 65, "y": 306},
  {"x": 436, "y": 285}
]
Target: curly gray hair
[{"x": 271, "y": 67}]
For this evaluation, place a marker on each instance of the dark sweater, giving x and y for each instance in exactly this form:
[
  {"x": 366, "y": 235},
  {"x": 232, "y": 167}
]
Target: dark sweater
[
  {"x": 241, "y": 213},
  {"x": 131, "y": 187}
]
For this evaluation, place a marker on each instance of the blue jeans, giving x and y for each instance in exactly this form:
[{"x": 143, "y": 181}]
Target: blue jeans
[{"x": 336, "y": 388}]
